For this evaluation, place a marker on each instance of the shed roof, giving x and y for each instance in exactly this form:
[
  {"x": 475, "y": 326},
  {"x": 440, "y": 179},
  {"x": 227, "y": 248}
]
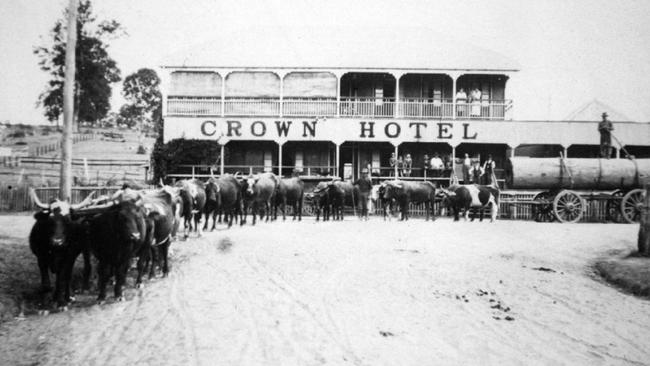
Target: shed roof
[{"x": 341, "y": 47}]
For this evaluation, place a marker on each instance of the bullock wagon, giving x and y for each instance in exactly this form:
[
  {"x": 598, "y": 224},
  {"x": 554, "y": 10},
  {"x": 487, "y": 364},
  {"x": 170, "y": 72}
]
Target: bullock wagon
[{"x": 561, "y": 188}]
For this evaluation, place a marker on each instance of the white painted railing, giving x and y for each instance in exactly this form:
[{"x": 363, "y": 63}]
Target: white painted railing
[
  {"x": 426, "y": 108},
  {"x": 485, "y": 109},
  {"x": 193, "y": 106},
  {"x": 298, "y": 107},
  {"x": 349, "y": 107},
  {"x": 368, "y": 107},
  {"x": 252, "y": 107}
]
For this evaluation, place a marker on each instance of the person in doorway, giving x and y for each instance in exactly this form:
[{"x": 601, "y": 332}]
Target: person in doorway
[
  {"x": 392, "y": 161},
  {"x": 461, "y": 102},
  {"x": 476, "y": 172},
  {"x": 488, "y": 170},
  {"x": 437, "y": 165},
  {"x": 475, "y": 97},
  {"x": 426, "y": 166},
  {"x": 467, "y": 165},
  {"x": 605, "y": 128},
  {"x": 364, "y": 186},
  {"x": 408, "y": 165},
  {"x": 400, "y": 166}
]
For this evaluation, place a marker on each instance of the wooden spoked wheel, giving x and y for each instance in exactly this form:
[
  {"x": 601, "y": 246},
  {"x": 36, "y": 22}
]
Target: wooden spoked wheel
[
  {"x": 631, "y": 205},
  {"x": 613, "y": 210},
  {"x": 568, "y": 206},
  {"x": 543, "y": 210}
]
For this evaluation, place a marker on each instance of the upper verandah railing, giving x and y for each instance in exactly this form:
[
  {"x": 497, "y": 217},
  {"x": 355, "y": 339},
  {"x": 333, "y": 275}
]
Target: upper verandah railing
[{"x": 345, "y": 107}]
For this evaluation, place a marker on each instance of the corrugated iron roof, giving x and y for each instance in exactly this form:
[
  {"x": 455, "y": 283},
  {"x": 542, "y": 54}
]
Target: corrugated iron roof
[
  {"x": 345, "y": 48},
  {"x": 593, "y": 110}
]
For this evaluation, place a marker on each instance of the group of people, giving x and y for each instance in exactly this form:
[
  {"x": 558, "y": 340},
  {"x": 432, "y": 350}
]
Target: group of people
[
  {"x": 404, "y": 165},
  {"x": 436, "y": 165},
  {"x": 474, "y": 100},
  {"x": 475, "y": 173}
]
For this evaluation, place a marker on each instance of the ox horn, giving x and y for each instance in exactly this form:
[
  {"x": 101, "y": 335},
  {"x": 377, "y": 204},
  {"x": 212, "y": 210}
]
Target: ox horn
[
  {"x": 37, "y": 202},
  {"x": 88, "y": 200},
  {"x": 95, "y": 209}
]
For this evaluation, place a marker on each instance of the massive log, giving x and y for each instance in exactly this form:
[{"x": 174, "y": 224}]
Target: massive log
[{"x": 590, "y": 174}]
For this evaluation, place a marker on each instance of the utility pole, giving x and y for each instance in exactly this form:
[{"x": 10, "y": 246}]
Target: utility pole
[{"x": 65, "y": 182}]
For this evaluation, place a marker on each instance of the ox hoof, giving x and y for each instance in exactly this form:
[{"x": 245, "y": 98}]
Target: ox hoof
[
  {"x": 62, "y": 309},
  {"x": 100, "y": 301},
  {"x": 119, "y": 299},
  {"x": 43, "y": 312},
  {"x": 140, "y": 285}
]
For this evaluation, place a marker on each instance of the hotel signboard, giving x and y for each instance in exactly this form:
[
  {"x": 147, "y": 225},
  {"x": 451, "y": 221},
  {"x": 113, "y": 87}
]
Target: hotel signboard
[{"x": 339, "y": 130}]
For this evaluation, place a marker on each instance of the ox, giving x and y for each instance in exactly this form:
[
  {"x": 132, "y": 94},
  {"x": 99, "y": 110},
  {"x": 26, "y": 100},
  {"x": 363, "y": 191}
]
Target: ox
[
  {"x": 57, "y": 239},
  {"x": 212, "y": 202},
  {"x": 118, "y": 232},
  {"x": 465, "y": 197},
  {"x": 341, "y": 194},
  {"x": 320, "y": 201},
  {"x": 290, "y": 191},
  {"x": 228, "y": 197},
  {"x": 405, "y": 193},
  {"x": 377, "y": 199},
  {"x": 192, "y": 194},
  {"x": 259, "y": 190},
  {"x": 161, "y": 220}
]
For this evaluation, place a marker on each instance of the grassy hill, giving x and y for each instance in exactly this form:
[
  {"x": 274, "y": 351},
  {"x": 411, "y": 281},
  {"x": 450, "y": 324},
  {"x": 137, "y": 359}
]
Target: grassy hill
[{"x": 111, "y": 156}]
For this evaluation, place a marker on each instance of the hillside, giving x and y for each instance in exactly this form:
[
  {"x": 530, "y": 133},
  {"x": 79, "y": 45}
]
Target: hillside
[{"x": 111, "y": 156}]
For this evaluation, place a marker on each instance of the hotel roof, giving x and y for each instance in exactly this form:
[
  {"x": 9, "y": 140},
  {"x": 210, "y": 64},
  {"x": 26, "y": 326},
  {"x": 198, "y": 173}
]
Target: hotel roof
[{"x": 338, "y": 48}]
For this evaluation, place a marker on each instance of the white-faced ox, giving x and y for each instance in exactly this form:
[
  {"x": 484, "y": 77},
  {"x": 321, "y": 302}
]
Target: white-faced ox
[
  {"x": 192, "y": 195},
  {"x": 470, "y": 196},
  {"x": 405, "y": 193},
  {"x": 258, "y": 192},
  {"x": 56, "y": 239}
]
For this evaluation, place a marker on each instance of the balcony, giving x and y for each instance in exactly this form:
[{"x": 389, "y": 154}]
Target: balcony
[{"x": 347, "y": 107}]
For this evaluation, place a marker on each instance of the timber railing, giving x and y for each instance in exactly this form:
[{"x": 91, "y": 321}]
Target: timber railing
[{"x": 355, "y": 107}]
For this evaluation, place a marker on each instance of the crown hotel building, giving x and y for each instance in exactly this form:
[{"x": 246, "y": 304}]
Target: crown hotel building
[{"x": 333, "y": 101}]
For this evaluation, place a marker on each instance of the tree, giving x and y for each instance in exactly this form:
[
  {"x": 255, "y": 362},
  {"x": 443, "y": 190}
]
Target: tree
[
  {"x": 95, "y": 69},
  {"x": 141, "y": 90}
]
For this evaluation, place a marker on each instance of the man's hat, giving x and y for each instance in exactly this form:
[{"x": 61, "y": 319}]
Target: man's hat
[
  {"x": 604, "y": 114},
  {"x": 364, "y": 171}
]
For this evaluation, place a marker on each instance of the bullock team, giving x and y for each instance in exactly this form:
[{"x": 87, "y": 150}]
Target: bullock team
[{"x": 141, "y": 224}]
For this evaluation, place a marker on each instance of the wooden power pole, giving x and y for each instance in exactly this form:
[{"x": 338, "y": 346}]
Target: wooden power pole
[{"x": 65, "y": 183}]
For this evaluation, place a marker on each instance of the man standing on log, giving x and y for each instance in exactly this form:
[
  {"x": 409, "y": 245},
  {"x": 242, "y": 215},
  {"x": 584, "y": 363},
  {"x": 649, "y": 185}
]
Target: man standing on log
[{"x": 605, "y": 128}]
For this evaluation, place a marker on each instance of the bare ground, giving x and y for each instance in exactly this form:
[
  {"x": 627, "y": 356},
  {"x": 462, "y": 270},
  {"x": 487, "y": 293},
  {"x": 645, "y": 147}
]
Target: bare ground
[{"x": 362, "y": 293}]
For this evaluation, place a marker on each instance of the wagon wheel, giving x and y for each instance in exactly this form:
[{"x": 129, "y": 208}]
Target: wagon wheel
[
  {"x": 568, "y": 206},
  {"x": 613, "y": 208},
  {"x": 543, "y": 211},
  {"x": 631, "y": 205}
]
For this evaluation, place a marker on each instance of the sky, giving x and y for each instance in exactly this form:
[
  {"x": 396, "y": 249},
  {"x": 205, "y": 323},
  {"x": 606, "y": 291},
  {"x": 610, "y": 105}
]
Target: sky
[{"x": 569, "y": 52}]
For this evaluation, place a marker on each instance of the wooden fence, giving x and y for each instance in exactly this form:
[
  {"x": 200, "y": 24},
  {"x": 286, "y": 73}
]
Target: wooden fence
[{"x": 17, "y": 199}]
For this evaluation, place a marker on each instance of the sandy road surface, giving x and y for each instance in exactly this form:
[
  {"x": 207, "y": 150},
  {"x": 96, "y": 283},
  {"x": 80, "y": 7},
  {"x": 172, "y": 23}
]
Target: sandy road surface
[{"x": 375, "y": 293}]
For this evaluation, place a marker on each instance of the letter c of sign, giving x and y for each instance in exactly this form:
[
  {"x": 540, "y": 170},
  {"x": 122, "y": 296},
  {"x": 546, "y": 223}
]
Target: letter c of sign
[{"x": 209, "y": 124}]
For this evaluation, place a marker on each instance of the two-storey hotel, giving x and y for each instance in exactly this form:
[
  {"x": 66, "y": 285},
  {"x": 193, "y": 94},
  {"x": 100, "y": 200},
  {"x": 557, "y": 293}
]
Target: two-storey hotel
[{"x": 323, "y": 101}]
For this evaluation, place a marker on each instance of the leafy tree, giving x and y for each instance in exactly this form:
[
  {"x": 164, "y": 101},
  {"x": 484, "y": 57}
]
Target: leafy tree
[
  {"x": 95, "y": 69},
  {"x": 141, "y": 90},
  {"x": 130, "y": 115},
  {"x": 166, "y": 158}
]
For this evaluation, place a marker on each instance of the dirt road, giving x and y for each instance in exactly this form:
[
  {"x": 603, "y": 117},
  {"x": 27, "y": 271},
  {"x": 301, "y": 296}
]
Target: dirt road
[{"x": 374, "y": 293}]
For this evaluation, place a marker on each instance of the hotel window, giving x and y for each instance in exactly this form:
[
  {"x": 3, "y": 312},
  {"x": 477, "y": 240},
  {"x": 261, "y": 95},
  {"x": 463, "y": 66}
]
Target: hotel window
[
  {"x": 299, "y": 161},
  {"x": 379, "y": 96},
  {"x": 268, "y": 161}
]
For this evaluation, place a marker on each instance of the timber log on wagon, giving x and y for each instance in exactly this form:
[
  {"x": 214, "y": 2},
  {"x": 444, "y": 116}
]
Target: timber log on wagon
[{"x": 563, "y": 186}]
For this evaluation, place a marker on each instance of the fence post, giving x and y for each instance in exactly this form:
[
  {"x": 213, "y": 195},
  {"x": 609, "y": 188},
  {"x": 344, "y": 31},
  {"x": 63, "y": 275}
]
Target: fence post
[{"x": 644, "y": 225}]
